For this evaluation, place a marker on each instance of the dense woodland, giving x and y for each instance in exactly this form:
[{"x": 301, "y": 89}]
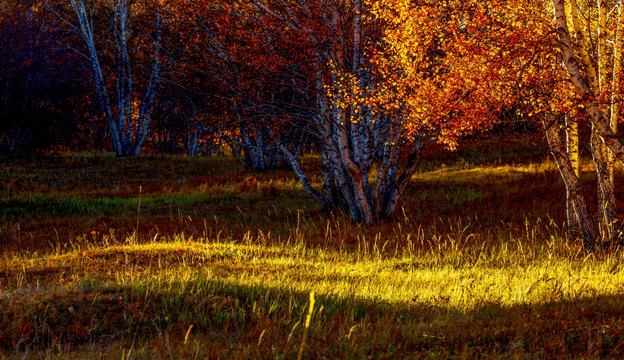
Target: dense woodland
[{"x": 366, "y": 84}]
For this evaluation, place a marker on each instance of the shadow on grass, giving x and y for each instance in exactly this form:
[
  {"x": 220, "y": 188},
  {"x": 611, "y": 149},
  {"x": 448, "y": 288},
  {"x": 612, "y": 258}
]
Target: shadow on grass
[{"x": 268, "y": 321}]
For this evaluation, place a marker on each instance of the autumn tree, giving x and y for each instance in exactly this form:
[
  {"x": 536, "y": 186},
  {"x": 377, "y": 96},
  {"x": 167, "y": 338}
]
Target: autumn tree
[
  {"x": 586, "y": 90},
  {"x": 498, "y": 54},
  {"x": 390, "y": 76},
  {"x": 590, "y": 39},
  {"x": 252, "y": 74}
]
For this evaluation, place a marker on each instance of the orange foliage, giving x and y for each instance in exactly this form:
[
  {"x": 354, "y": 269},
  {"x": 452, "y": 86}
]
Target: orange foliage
[{"x": 449, "y": 68}]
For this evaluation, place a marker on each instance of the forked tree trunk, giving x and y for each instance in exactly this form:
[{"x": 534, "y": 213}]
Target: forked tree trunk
[
  {"x": 128, "y": 126},
  {"x": 605, "y": 190},
  {"x": 602, "y": 158},
  {"x": 353, "y": 141}
]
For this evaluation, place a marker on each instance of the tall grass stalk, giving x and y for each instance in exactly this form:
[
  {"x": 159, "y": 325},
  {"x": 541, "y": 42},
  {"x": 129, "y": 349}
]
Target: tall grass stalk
[{"x": 307, "y": 326}]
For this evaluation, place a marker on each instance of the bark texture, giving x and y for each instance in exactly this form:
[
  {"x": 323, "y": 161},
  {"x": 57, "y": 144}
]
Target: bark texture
[{"x": 587, "y": 224}]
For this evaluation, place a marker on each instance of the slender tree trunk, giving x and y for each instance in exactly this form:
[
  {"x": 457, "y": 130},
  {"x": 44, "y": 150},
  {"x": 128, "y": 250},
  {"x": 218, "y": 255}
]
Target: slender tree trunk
[
  {"x": 602, "y": 45},
  {"x": 605, "y": 190},
  {"x": 302, "y": 176},
  {"x": 572, "y": 138},
  {"x": 572, "y": 150},
  {"x": 618, "y": 51},
  {"x": 587, "y": 224},
  {"x": 583, "y": 44}
]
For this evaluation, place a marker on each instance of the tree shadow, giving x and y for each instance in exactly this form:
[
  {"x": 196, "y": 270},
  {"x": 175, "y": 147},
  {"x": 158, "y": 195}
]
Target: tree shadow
[{"x": 268, "y": 321}]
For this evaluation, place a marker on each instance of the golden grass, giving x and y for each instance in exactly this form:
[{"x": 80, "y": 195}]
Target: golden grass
[
  {"x": 253, "y": 288},
  {"x": 222, "y": 266}
]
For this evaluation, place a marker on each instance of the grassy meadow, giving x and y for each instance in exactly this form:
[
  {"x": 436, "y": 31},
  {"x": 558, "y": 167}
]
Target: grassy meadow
[{"x": 179, "y": 258}]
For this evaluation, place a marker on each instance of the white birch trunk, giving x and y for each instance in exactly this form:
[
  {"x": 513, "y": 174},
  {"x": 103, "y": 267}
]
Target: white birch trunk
[{"x": 127, "y": 134}]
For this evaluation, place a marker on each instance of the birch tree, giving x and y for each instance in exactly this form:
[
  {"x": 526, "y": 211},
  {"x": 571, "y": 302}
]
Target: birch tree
[
  {"x": 107, "y": 26},
  {"x": 390, "y": 76},
  {"x": 360, "y": 150},
  {"x": 592, "y": 55}
]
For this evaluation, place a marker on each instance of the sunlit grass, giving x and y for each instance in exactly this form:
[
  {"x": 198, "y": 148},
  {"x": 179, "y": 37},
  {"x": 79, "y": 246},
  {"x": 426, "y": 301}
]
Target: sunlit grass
[
  {"x": 241, "y": 286},
  {"x": 460, "y": 275},
  {"x": 171, "y": 257}
]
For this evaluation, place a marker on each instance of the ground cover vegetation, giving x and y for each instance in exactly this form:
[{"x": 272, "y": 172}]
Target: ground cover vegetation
[{"x": 163, "y": 264}]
